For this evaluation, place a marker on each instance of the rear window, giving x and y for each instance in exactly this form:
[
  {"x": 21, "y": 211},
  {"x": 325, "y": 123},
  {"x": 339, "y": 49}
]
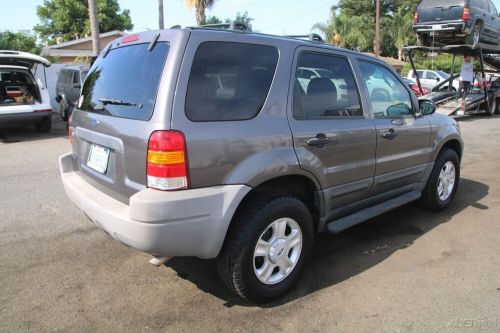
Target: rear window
[
  {"x": 426, "y": 4},
  {"x": 229, "y": 81},
  {"x": 125, "y": 82}
]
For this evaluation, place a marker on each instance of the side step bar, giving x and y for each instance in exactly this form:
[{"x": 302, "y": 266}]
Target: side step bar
[{"x": 370, "y": 212}]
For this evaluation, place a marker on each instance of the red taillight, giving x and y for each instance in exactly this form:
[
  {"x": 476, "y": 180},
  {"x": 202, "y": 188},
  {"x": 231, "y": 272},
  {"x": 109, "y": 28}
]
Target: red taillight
[
  {"x": 130, "y": 38},
  {"x": 415, "y": 18},
  {"x": 70, "y": 129},
  {"x": 466, "y": 14},
  {"x": 167, "y": 164}
]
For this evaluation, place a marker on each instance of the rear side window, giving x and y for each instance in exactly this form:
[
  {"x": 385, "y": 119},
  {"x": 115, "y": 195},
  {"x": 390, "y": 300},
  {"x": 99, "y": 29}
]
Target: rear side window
[
  {"x": 229, "y": 81},
  {"x": 125, "y": 82}
]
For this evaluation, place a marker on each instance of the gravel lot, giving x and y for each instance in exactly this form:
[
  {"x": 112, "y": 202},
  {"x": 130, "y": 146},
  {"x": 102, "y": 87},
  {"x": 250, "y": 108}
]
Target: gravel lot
[{"x": 405, "y": 271}]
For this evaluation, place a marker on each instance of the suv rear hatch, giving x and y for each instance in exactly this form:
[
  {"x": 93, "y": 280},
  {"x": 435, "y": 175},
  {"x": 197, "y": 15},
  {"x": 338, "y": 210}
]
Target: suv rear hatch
[
  {"x": 121, "y": 105},
  {"x": 430, "y": 11}
]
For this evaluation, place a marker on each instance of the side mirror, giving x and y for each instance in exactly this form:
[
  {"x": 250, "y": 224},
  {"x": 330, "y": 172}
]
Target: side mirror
[
  {"x": 426, "y": 107},
  {"x": 437, "y": 79}
]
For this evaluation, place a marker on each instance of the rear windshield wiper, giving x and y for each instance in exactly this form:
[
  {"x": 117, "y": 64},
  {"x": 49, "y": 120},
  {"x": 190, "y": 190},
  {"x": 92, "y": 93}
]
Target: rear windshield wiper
[{"x": 106, "y": 101}]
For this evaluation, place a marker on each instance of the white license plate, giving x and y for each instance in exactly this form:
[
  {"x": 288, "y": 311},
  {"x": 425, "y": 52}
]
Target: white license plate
[{"x": 98, "y": 158}]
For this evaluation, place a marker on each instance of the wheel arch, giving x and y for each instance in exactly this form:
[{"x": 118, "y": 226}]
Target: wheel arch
[{"x": 300, "y": 186}]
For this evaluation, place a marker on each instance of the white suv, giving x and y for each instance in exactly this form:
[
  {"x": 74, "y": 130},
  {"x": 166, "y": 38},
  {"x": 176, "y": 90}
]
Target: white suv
[{"x": 23, "y": 99}]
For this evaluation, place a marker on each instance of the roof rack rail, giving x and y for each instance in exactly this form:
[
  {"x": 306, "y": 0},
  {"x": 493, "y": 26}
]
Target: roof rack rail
[
  {"x": 233, "y": 25},
  {"x": 312, "y": 37}
]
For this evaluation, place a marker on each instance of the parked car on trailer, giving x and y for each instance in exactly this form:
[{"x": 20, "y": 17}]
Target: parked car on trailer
[
  {"x": 457, "y": 22},
  {"x": 23, "y": 99}
]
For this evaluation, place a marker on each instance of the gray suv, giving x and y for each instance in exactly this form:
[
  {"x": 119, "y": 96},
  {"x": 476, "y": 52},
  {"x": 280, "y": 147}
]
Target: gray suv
[
  {"x": 68, "y": 86},
  {"x": 212, "y": 143}
]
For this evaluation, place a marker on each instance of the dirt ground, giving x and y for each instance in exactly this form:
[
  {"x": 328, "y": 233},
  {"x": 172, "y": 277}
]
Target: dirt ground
[{"x": 405, "y": 271}]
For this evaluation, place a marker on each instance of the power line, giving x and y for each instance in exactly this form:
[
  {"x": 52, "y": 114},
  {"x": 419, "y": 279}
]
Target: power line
[{"x": 298, "y": 16}]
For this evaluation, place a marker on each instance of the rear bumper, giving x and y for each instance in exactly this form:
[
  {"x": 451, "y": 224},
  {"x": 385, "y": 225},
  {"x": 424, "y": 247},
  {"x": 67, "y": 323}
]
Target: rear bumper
[
  {"x": 183, "y": 223},
  {"x": 23, "y": 118},
  {"x": 440, "y": 28}
]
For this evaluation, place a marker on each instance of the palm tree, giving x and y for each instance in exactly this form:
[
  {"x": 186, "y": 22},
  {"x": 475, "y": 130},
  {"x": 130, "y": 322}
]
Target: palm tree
[
  {"x": 94, "y": 27},
  {"x": 200, "y": 6}
]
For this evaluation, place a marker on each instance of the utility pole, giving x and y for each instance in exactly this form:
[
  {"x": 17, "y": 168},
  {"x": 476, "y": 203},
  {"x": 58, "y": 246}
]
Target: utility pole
[
  {"x": 94, "y": 27},
  {"x": 160, "y": 14},
  {"x": 377, "y": 29}
]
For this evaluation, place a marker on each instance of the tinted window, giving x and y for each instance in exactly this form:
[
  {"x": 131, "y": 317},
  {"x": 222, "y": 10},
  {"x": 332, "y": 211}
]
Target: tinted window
[
  {"x": 229, "y": 81},
  {"x": 431, "y": 76},
  {"x": 440, "y": 3},
  {"x": 331, "y": 92},
  {"x": 493, "y": 9},
  {"x": 124, "y": 83},
  {"x": 444, "y": 75},
  {"x": 388, "y": 96},
  {"x": 476, "y": 3},
  {"x": 76, "y": 77}
]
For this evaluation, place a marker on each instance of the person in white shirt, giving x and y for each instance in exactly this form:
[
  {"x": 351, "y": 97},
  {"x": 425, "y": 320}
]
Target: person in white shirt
[{"x": 466, "y": 77}]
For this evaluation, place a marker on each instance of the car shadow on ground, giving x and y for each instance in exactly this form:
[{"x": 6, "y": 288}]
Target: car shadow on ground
[
  {"x": 28, "y": 132},
  {"x": 338, "y": 257}
]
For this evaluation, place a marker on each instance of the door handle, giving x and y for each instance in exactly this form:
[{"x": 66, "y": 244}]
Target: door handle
[
  {"x": 389, "y": 134},
  {"x": 319, "y": 141}
]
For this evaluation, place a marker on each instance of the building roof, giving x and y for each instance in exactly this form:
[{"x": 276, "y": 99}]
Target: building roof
[{"x": 60, "y": 51}]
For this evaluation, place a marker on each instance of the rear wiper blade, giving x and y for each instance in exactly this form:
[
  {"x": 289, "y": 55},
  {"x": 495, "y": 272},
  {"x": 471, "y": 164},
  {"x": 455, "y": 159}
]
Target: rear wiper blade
[{"x": 106, "y": 101}]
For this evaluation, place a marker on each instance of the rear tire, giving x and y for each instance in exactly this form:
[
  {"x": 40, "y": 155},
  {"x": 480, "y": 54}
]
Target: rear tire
[
  {"x": 475, "y": 35},
  {"x": 266, "y": 248},
  {"x": 44, "y": 126},
  {"x": 422, "y": 40},
  {"x": 63, "y": 111},
  {"x": 493, "y": 108},
  {"x": 443, "y": 182}
]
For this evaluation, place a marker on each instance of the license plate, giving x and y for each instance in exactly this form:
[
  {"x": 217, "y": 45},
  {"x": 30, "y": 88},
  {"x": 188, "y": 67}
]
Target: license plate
[
  {"x": 98, "y": 158},
  {"x": 437, "y": 27}
]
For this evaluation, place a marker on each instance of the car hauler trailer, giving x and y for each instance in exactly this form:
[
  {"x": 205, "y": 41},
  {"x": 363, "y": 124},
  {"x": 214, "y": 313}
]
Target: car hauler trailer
[{"x": 485, "y": 100}]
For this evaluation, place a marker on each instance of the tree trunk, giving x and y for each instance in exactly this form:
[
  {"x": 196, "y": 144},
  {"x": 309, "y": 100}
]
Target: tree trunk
[
  {"x": 200, "y": 14},
  {"x": 377, "y": 29},
  {"x": 94, "y": 27},
  {"x": 160, "y": 14}
]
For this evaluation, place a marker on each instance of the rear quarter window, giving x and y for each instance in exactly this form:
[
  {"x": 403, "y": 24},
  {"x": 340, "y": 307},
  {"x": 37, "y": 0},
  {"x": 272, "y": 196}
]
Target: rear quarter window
[{"x": 229, "y": 81}]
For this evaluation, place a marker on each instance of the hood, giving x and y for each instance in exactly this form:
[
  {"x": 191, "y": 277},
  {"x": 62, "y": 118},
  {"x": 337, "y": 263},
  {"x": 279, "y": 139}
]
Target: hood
[{"x": 24, "y": 59}]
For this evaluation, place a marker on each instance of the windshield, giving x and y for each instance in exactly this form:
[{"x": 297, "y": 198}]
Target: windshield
[
  {"x": 443, "y": 75},
  {"x": 124, "y": 83}
]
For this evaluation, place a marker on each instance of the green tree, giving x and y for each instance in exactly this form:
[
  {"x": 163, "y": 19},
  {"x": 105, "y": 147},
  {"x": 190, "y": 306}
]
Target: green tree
[
  {"x": 19, "y": 41},
  {"x": 243, "y": 17},
  {"x": 352, "y": 25},
  {"x": 70, "y": 18}
]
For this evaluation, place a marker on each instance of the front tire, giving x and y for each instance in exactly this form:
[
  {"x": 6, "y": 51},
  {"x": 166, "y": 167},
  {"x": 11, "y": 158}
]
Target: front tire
[
  {"x": 266, "y": 248},
  {"x": 442, "y": 183}
]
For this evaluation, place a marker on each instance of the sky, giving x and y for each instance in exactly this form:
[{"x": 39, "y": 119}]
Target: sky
[{"x": 270, "y": 16}]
